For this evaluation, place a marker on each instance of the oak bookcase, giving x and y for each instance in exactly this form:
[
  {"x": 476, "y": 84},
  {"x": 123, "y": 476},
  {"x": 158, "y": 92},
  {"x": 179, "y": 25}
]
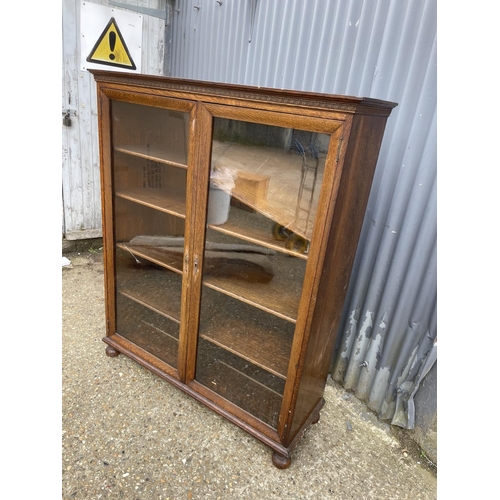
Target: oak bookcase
[{"x": 231, "y": 217}]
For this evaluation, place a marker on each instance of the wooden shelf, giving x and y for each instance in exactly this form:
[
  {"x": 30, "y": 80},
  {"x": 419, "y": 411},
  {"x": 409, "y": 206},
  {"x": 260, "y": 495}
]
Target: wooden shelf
[
  {"x": 157, "y": 199},
  {"x": 156, "y": 255},
  {"x": 147, "y": 329},
  {"x": 260, "y": 393},
  {"x": 156, "y": 289},
  {"x": 275, "y": 300},
  {"x": 254, "y": 228},
  {"x": 155, "y": 153},
  {"x": 131, "y": 294},
  {"x": 256, "y": 336},
  {"x": 247, "y": 324},
  {"x": 278, "y": 293}
]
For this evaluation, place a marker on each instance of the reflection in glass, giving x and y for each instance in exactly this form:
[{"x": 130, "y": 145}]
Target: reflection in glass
[
  {"x": 152, "y": 132},
  {"x": 263, "y": 199},
  {"x": 274, "y": 171},
  {"x": 150, "y": 173}
]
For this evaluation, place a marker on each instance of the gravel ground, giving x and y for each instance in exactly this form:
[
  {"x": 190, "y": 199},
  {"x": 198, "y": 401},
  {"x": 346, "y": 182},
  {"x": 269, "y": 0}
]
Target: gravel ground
[{"x": 129, "y": 434}]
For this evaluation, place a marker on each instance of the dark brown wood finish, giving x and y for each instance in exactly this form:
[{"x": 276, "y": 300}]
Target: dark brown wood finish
[
  {"x": 107, "y": 212},
  {"x": 265, "y": 373},
  {"x": 233, "y": 94},
  {"x": 361, "y": 156},
  {"x": 194, "y": 260},
  {"x": 311, "y": 283}
]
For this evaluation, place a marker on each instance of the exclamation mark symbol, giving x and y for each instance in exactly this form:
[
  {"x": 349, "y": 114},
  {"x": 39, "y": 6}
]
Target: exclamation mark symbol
[{"x": 112, "y": 43}]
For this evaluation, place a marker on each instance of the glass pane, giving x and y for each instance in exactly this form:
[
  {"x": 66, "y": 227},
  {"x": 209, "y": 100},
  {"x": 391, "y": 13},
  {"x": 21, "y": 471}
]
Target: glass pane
[
  {"x": 153, "y": 132},
  {"x": 274, "y": 171},
  {"x": 263, "y": 197},
  {"x": 149, "y": 173}
]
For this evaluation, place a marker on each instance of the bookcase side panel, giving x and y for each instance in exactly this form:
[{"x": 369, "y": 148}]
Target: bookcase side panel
[{"x": 359, "y": 167}]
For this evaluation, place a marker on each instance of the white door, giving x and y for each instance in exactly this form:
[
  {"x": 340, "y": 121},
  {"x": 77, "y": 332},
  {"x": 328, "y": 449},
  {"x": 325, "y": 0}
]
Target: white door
[{"x": 81, "y": 199}]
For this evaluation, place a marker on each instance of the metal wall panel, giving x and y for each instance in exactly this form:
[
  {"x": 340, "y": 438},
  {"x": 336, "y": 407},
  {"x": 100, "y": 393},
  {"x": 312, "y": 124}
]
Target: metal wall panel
[
  {"x": 383, "y": 49},
  {"x": 80, "y": 156}
]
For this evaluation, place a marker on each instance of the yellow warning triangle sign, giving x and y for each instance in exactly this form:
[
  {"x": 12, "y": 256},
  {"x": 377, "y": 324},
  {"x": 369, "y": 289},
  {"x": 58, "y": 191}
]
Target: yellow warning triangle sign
[{"x": 110, "y": 48}]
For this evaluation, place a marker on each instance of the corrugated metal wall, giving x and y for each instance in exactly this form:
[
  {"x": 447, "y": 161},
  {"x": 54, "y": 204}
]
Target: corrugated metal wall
[{"x": 384, "y": 49}]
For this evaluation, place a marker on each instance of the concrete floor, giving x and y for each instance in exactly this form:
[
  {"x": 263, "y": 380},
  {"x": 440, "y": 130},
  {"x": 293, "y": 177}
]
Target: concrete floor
[{"x": 129, "y": 434}]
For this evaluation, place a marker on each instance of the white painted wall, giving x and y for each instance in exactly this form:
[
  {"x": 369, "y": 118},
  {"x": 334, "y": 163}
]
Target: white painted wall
[{"x": 81, "y": 199}]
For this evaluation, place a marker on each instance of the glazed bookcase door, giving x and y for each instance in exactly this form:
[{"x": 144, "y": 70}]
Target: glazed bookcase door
[
  {"x": 263, "y": 201},
  {"x": 231, "y": 216},
  {"x": 149, "y": 158}
]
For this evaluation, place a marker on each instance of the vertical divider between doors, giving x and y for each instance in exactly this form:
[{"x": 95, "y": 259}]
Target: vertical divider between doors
[{"x": 200, "y": 147}]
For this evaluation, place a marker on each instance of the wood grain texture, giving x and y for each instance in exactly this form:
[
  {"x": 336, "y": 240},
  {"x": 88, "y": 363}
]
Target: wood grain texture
[
  {"x": 105, "y": 152},
  {"x": 357, "y": 173},
  {"x": 282, "y": 119},
  {"x": 251, "y": 389},
  {"x": 204, "y": 91},
  {"x": 158, "y": 154},
  {"x": 255, "y": 335},
  {"x": 317, "y": 256},
  {"x": 198, "y": 184},
  {"x": 198, "y": 313},
  {"x": 254, "y": 228},
  {"x": 243, "y": 419},
  {"x": 146, "y": 328}
]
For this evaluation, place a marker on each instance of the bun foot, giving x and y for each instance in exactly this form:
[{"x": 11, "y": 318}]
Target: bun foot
[
  {"x": 111, "y": 352},
  {"x": 280, "y": 461}
]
